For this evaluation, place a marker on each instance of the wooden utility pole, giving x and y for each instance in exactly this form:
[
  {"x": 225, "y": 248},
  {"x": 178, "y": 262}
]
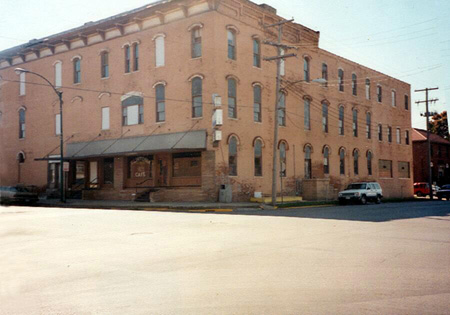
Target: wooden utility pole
[
  {"x": 278, "y": 58},
  {"x": 427, "y": 114}
]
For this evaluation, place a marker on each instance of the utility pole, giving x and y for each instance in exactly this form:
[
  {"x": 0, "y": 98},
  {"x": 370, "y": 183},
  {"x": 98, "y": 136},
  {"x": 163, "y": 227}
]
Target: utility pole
[
  {"x": 278, "y": 58},
  {"x": 427, "y": 114}
]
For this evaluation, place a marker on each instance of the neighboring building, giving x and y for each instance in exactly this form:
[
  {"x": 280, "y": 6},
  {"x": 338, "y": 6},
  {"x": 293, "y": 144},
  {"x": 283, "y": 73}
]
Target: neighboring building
[
  {"x": 141, "y": 89},
  {"x": 440, "y": 158}
]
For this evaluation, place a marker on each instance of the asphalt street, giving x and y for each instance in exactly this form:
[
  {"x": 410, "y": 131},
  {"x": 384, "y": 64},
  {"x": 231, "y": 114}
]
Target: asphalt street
[{"x": 375, "y": 259}]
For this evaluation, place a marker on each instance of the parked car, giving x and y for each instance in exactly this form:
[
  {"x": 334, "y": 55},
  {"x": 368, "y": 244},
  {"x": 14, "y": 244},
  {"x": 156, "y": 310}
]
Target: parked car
[
  {"x": 17, "y": 194},
  {"x": 444, "y": 192},
  {"x": 423, "y": 189},
  {"x": 361, "y": 192}
]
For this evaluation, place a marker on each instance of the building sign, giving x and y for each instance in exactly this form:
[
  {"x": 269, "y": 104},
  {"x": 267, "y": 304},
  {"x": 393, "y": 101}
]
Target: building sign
[
  {"x": 140, "y": 167},
  {"x": 66, "y": 166}
]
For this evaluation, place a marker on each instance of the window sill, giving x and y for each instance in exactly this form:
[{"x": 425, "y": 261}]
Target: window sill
[
  {"x": 105, "y": 78},
  {"x": 197, "y": 118},
  {"x": 77, "y": 83},
  {"x": 21, "y": 139},
  {"x": 258, "y": 122},
  {"x": 233, "y": 118},
  {"x": 258, "y": 68},
  {"x": 196, "y": 58}
]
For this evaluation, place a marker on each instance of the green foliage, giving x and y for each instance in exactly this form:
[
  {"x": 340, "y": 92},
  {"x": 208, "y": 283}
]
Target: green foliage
[{"x": 439, "y": 125}]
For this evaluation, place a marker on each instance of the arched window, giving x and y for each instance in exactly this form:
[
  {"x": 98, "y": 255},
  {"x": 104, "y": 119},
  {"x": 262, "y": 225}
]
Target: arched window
[
  {"x": 257, "y": 103},
  {"x": 342, "y": 161},
  {"x": 354, "y": 85},
  {"x": 21, "y": 157},
  {"x": 282, "y": 110},
  {"x": 393, "y": 98},
  {"x": 326, "y": 160},
  {"x": 367, "y": 89},
  {"x": 197, "y": 102},
  {"x": 379, "y": 94},
  {"x": 380, "y": 132},
  {"x": 160, "y": 103},
  {"x": 355, "y": 123},
  {"x": 325, "y": 117},
  {"x": 283, "y": 159},
  {"x": 406, "y": 135},
  {"x": 389, "y": 130},
  {"x": 308, "y": 169},
  {"x": 127, "y": 52},
  {"x": 398, "y": 136},
  {"x": 282, "y": 70},
  {"x": 256, "y": 53},
  {"x": 21, "y": 123},
  {"x": 341, "y": 120},
  {"x": 231, "y": 34},
  {"x": 368, "y": 125},
  {"x": 306, "y": 69},
  {"x": 355, "y": 161},
  {"x": 232, "y": 156},
  {"x": 325, "y": 73},
  {"x": 307, "y": 113},
  {"x": 341, "y": 80},
  {"x": 77, "y": 70},
  {"x": 58, "y": 74},
  {"x": 104, "y": 64},
  {"x": 369, "y": 162},
  {"x": 135, "y": 57},
  {"x": 232, "y": 106},
  {"x": 22, "y": 83},
  {"x": 196, "y": 42},
  {"x": 132, "y": 110},
  {"x": 258, "y": 157}
]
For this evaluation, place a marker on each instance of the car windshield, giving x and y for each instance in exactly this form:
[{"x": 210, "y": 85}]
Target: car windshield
[
  {"x": 22, "y": 189},
  {"x": 356, "y": 186}
]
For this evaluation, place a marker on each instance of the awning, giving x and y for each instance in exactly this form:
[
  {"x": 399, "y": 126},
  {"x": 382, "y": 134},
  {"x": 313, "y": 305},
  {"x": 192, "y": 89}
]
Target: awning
[{"x": 190, "y": 140}]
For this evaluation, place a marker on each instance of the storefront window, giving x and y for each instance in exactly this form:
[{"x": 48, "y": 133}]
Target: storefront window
[
  {"x": 140, "y": 167},
  {"x": 108, "y": 171},
  {"x": 187, "y": 164}
]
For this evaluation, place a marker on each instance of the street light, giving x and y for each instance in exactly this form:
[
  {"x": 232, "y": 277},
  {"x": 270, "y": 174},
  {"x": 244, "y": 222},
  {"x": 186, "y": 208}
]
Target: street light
[
  {"x": 18, "y": 71},
  {"x": 275, "y": 134}
]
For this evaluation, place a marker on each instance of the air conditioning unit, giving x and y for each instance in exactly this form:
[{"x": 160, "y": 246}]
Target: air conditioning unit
[
  {"x": 217, "y": 135},
  {"x": 217, "y": 119},
  {"x": 217, "y": 100}
]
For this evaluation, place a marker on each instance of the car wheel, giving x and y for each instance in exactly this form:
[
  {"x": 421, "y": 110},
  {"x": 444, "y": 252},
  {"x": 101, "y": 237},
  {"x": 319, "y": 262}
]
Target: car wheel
[
  {"x": 419, "y": 194},
  {"x": 342, "y": 202},
  {"x": 378, "y": 200},
  {"x": 363, "y": 200}
]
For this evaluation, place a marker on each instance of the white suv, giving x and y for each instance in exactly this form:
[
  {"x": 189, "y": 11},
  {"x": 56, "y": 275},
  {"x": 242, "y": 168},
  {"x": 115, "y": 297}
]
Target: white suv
[{"x": 361, "y": 192}]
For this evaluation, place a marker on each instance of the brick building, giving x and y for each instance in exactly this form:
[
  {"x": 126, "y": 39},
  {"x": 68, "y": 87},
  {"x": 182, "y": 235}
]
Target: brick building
[
  {"x": 175, "y": 98},
  {"x": 440, "y": 158}
]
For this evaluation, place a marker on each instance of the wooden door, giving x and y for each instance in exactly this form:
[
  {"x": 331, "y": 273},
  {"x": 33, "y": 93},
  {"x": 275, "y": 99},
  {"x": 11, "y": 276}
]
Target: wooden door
[{"x": 162, "y": 169}]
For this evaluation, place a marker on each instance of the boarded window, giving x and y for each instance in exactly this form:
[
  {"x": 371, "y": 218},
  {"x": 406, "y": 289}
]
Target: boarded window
[
  {"x": 282, "y": 72},
  {"x": 58, "y": 74},
  {"x": 187, "y": 164},
  {"x": 160, "y": 58},
  {"x": 105, "y": 118},
  {"x": 403, "y": 169},
  {"x": 58, "y": 124},
  {"x": 385, "y": 168},
  {"x": 22, "y": 83}
]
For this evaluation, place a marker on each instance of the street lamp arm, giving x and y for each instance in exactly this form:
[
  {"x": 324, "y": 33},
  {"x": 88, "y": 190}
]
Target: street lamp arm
[{"x": 20, "y": 70}]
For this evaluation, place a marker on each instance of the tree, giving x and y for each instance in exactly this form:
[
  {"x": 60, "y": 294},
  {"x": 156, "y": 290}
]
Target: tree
[{"x": 439, "y": 125}]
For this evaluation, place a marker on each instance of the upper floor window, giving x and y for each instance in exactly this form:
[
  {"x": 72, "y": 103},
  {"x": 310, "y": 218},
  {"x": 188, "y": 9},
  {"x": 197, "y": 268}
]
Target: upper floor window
[
  {"x": 325, "y": 73},
  {"x": 58, "y": 124},
  {"x": 341, "y": 80},
  {"x": 232, "y": 156},
  {"x": 342, "y": 161},
  {"x": 231, "y": 34},
  {"x": 380, "y": 132},
  {"x": 282, "y": 70},
  {"x": 127, "y": 52},
  {"x": 324, "y": 117},
  {"x": 283, "y": 159},
  {"x": 368, "y": 126},
  {"x": 356, "y": 162},
  {"x": 354, "y": 85},
  {"x": 258, "y": 157},
  {"x": 105, "y": 118},
  {"x": 77, "y": 70},
  {"x": 389, "y": 135},
  {"x": 197, "y": 102},
  {"x": 132, "y": 110},
  {"x": 369, "y": 162},
  {"x": 341, "y": 120},
  {"x": 306, "y": 75},
  {"x": 22, "y": 83},
  {"x": 282, "y": 110},
  {"x": 21, "y": 123},
  {"x": 379, "y": 94},
  {"x": 58, "y": 74},
  {"x": 308, "y": 166},
  {"x": 367, "y": 89},
  {"x": 326, "y": 160},
  {"x": 407, "y": 138},
  {"x": 135, "y": 57},
  {"x": 159, "y": 50},
  {"x": 257, "y": 103},
  {"x": 104, "y": 56},
  {"x": 355, "y": 123},
  {"x": 394, "y": 98},
  {"x": 232, "y": 105},
  {"x": 256, "y": 53},
  {"x": 307, "y": 113},
  {"x": 398, "y": 136},
  {"x": 160, "y": 103},
  {"x": 406, "y": 102},
  {"x": 196, "y": 42}
]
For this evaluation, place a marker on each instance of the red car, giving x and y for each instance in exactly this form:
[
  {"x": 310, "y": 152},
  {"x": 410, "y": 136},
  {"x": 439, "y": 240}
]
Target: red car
[{"x": 422, "y": 189}]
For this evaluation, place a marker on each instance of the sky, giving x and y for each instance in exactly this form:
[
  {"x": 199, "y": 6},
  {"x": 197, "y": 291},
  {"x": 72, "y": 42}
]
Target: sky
[{"x": 406, "y": 39}]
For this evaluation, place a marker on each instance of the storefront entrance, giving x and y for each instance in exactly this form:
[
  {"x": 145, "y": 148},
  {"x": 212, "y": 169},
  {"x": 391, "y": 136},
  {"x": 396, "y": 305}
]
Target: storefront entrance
[{"x": 162, "y": 170}]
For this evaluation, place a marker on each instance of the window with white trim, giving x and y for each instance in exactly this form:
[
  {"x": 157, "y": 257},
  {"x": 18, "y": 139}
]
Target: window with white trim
[
  {"x": 159, "y": 51},
  {"x": 394, "y": 98},
  {"x": 132, "y": 110},
  {"x": 231, "y": 37},
  {"x": 160, "y": 103},
  {"x": 196, "y": 42}
]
